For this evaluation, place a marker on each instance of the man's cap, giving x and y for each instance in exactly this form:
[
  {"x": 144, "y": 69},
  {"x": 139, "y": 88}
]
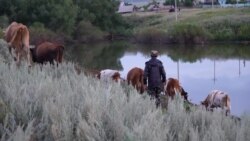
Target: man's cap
[{"x": 154, "y": 53}]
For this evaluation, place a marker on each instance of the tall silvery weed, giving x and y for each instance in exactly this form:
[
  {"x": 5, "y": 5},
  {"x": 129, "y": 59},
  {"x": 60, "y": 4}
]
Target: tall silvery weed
[{"x": 54, "y": 103}]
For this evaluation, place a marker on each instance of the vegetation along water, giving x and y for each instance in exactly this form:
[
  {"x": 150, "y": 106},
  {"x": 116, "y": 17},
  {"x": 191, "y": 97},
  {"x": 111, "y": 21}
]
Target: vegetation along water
[{"x": 205, "y": 48}]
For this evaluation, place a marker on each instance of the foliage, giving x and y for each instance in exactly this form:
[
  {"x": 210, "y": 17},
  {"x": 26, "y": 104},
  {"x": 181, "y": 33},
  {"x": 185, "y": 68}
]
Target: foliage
[
  {"x": 54, "y": 14},
  {"x": 188, "y": 33},
  {"x": 225, "y": 30},
  {"x": 4, "y": 21},
  {"x": 171, "y": 2},
  {"x": 1, "y": 33},
  {"x": 101, "y": 13},
  {"x": 40, "y": 34},
  {"x": 243, "y": 32},
  {"x": 55, "y": 103},
  {"x": 187, "y": 3},
  {"x": 221, "y": 24},
  {"x": 151, "y": 35},
  {"x": 62, "y": 16},
  {"x": 86, "y": 32}
]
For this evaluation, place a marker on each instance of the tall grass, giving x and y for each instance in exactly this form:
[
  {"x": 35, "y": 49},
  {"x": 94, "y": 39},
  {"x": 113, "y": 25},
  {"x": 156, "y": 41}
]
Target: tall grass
[
  {"x": 188, "y": 33},
  {"x": 55, "y": 103}
]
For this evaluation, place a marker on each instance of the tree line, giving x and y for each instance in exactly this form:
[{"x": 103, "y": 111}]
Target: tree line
[{"x": 63, "y": 16}]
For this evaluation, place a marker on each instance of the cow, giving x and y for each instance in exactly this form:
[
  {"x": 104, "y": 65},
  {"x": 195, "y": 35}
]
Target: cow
[
  {"x": 173, "y": 87},
  {"x": 135, "y": 77},
  {"x": 217, "y": 98},
  {"x": 47, "y": 52},
  {"x": 109, "y": 75},
  {"x": 17, "y": 37}
]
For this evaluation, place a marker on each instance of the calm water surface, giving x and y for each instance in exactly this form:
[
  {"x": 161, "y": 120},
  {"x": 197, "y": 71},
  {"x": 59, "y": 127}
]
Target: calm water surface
[{"x": 200, "y": 69}]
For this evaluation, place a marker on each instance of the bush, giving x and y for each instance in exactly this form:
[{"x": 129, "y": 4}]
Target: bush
[
  {"x": 4, "y": 21},
  {"x": 55, "y": 103},
  {"x": 188, "y": 33},
  {"x": 225, "y": 30},
  {"x": 86, "y": 32},
  {"x": 151, "y": 35},
  {"x": 1, "y": 33},
  {"x": 244, "y": 32},
  {"x": 39, "y": 34},
  {"x": 224, "y": 34}
]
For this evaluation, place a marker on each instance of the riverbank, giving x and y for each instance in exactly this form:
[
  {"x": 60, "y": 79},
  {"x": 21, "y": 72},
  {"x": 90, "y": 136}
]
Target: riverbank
[
  {"x": 196, "y": 25},
  {"x": 190, "y": 26}
]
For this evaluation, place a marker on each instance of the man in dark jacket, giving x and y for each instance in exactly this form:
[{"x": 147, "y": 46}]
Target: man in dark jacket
[{"x": 155, "y": 76}]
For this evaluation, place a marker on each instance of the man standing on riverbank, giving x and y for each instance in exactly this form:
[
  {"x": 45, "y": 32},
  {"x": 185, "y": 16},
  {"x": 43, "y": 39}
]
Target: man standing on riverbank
[{"x": 154, "y": 76}]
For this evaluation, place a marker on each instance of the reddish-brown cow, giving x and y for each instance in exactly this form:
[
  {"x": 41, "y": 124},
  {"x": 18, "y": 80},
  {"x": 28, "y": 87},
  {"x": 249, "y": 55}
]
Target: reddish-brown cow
[
  {"x": 135, "y": 77},
  {"x": 17, "y": 37},
  {"x": 174, "y": 87},
  {"x": 47, "y": 52}
]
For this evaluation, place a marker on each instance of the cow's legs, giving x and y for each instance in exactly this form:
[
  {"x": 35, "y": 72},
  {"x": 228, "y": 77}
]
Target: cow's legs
[
  {"x": 28, "y": 56},
  {"x": 17, "y": 58},
  {"x": 12, "y": 51}
]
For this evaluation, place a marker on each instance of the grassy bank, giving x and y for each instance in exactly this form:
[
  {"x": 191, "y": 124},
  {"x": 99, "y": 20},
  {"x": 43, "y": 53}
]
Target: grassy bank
[
  {"x": 55, "y": 103},
  {"x": 192, "y": 25}
]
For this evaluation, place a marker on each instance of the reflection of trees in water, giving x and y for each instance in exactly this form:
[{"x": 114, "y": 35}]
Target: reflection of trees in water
[
  {"x": 97, "y": 56},
  {"x": 193, "y": 53},
  {"x": 107, "y": 55}
]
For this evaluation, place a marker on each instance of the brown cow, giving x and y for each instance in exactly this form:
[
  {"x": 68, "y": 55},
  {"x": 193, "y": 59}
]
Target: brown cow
[
  {"x": 17, "y": 37},
  {"x": 174, "y": 87},
  {"x": 135, "y": 77},
  {"x": 47, "y": 52}
]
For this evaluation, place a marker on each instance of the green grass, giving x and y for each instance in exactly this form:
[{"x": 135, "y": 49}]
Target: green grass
[{"x": 221, "y": 24}]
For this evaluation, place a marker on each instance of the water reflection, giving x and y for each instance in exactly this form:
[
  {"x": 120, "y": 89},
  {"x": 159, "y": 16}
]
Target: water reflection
[
  {"x": 97, "y": 56},
  {"x": 199, "y": 69}
]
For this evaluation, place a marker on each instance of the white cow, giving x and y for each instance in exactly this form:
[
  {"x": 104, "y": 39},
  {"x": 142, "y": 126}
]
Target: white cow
[
  {"x": 109, "y": 75},
  {"x": 217, "y": 98}
]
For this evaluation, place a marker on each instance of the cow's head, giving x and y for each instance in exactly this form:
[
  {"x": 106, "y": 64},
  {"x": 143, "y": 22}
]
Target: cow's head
[
  {"x": 173, "y": 87},
  {"x": 116, "y": 77},
  {"x": 204, "y": 103}
]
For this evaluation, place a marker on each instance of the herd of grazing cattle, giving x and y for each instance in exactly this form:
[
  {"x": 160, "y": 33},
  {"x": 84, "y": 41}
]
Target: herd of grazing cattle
[
  {"x": 17, "y": 37},
  {"x": 215, "y": 99}
]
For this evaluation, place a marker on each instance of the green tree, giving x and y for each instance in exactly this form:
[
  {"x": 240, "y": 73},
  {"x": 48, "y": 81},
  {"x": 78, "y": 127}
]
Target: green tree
[
  {"x": 57, "y": 15},
  {"x": 101, "y": 13}
]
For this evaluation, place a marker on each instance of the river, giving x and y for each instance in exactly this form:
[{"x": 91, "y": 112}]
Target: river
[{"x": 200, "y": 69}]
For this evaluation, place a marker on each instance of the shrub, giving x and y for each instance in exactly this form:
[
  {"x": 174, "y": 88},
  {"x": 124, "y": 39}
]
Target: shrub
[
  {"x": 86, "y": 32},
  {"x": 188, "y": 33},
  {"x": 56, "y": 103},
  {"x": 1, "y": 33},
  {"x": 39, "y": 34},
  {"x": 224, "y": 30},
  {"x": 151, "y": 35},
  {"x": 243, "y": 32},
  {"x": 4, "y": 21},
  {"x": 224, "y": 34}
]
